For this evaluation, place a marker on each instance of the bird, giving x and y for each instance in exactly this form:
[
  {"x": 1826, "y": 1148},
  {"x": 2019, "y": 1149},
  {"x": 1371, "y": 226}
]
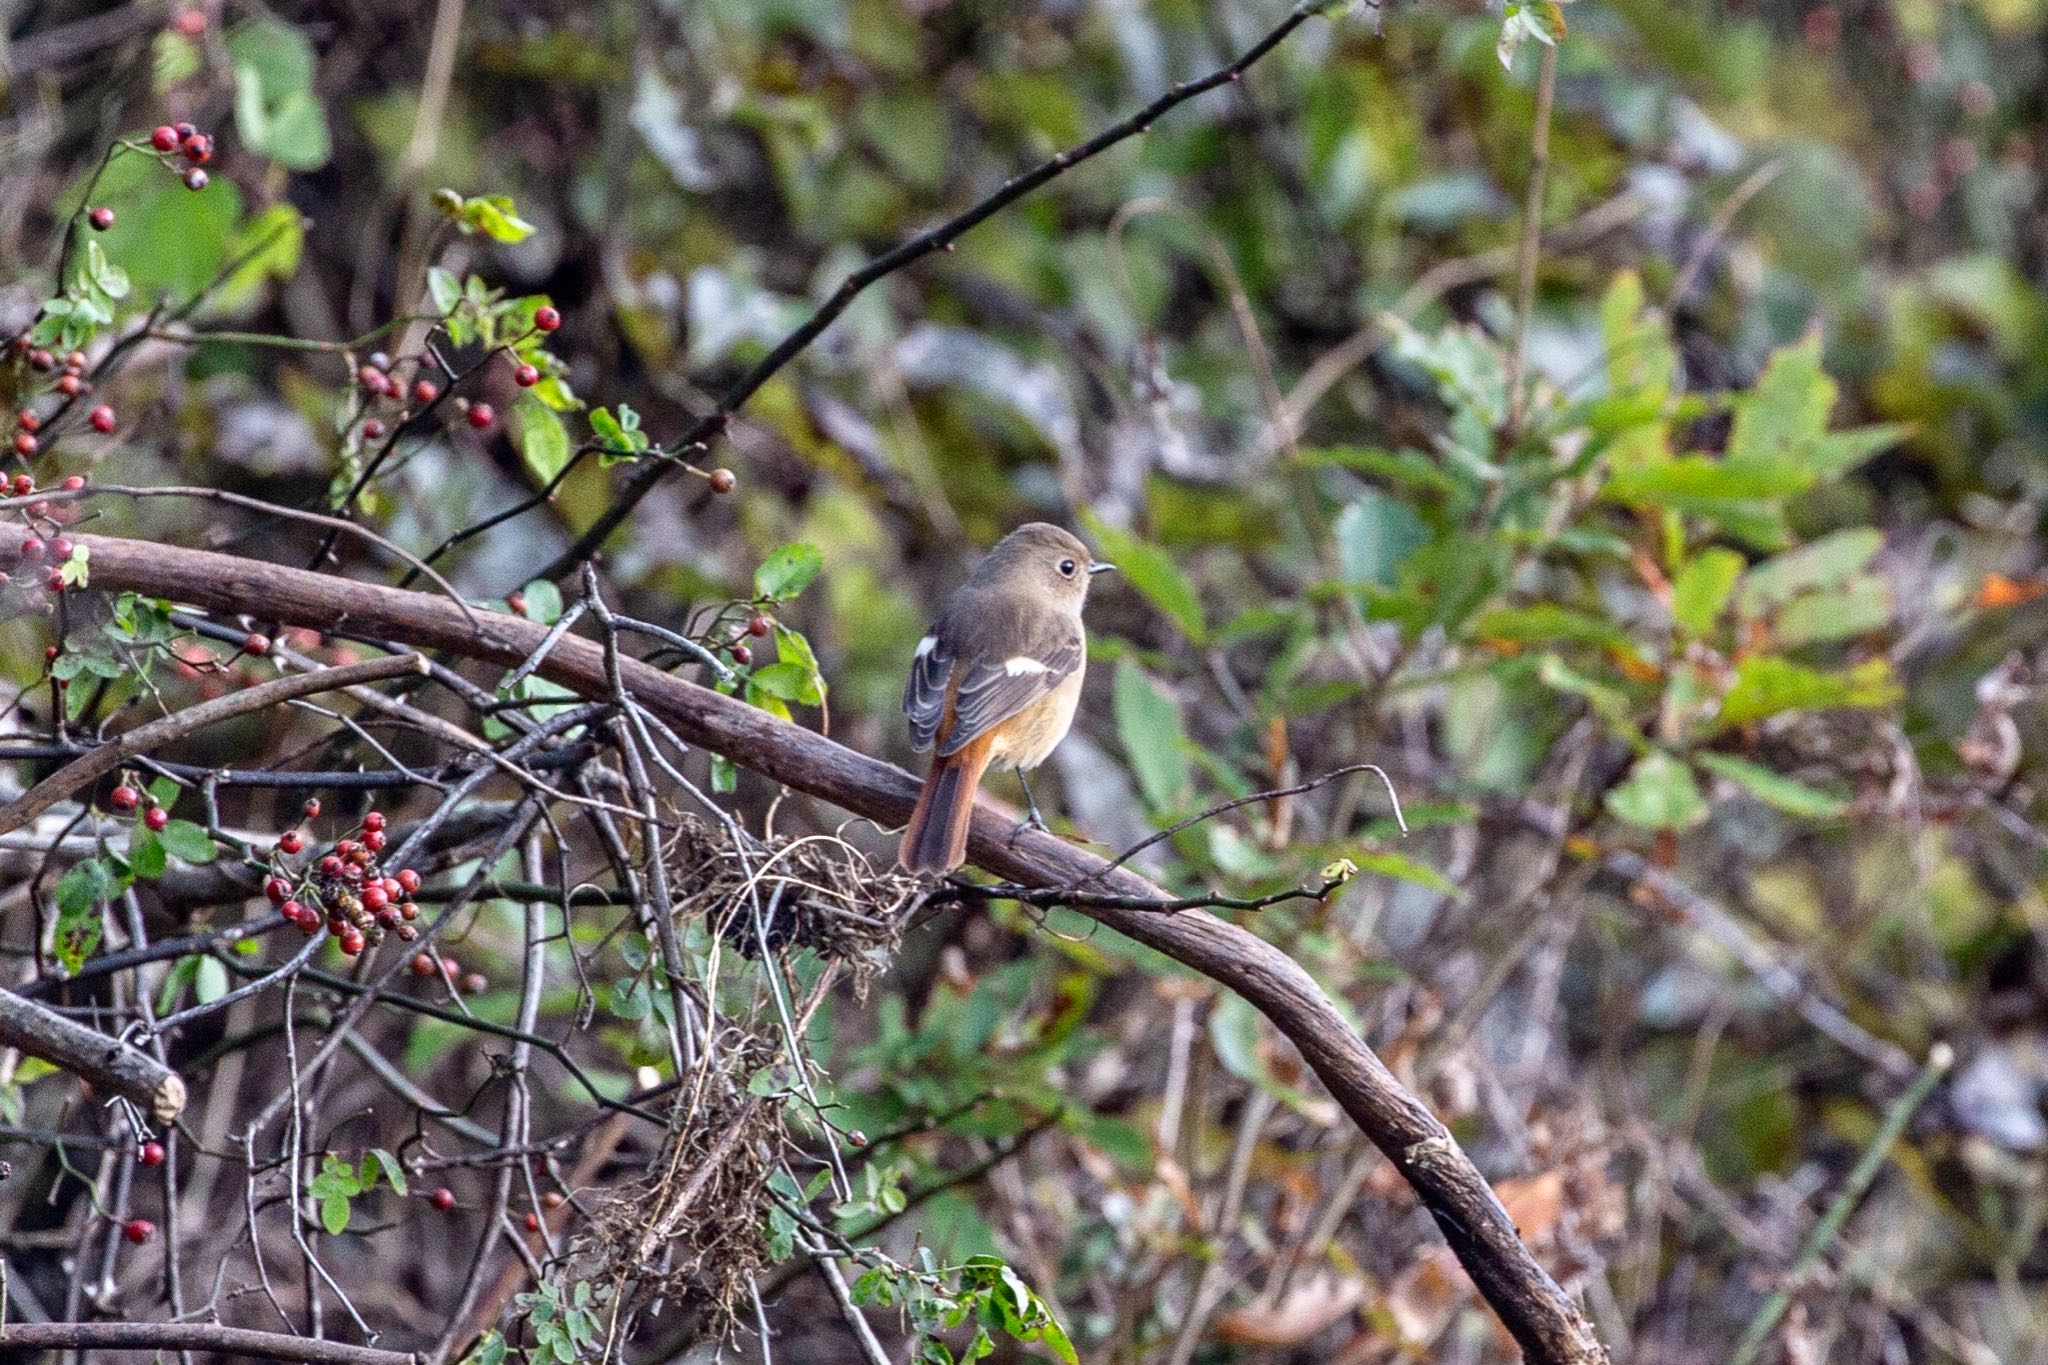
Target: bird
[{"x": 995, "y": 681}]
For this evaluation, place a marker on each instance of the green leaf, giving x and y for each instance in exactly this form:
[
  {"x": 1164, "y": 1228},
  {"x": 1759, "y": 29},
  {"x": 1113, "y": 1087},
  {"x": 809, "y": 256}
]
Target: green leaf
[
  {"x": 268, "y": 247},
  {"x": 209, "y": 980},
  {"x": 543, "y": 601},
  {"x": 1374, "y": 535},
  {"x": 393, "y": 1168},
  {"x": 188, "y": 842},
  {"x": 334, "y": 1214},
  {"x": 181, "y": 975},
  {"x": 496, "y": 217},
  {"x": 725, "y": 776},
  {"x": 1542, "y": 622},
  {"x": 1826, "y": 563},
  {"x": 276, "y": 107},
  {"x": 444, "y": 290},
  {"x": 1148, "y": 722},
  {"x": 787, "y": 571},
  {"x": 1405, "y": 869},
  {"x": 1702, "y": 589},
  {"x": 786, "y": 681},
  {"x": 1778, "y": 420},
  {"x": 80, "y": 893},
  {"x": 1660, "y": 793},
  {"x": 792, "y": 648},
  {"x": 1862, "y": 606},
  {"x": 1774, "y": 789},
  {"x": 1153, "y": 573},
  {"x": 543, "y": 440},
  {"x": 1690, "y": 481},
  {"x": 1766, "y": 685}
]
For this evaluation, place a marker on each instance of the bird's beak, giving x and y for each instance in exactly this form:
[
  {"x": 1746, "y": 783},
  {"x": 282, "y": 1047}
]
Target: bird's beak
[{"x": 1101, "y": 566}]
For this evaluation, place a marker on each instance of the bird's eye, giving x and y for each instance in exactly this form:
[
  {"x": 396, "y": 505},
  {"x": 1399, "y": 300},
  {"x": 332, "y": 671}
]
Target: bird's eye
[{"x": 1067, "y": 568}]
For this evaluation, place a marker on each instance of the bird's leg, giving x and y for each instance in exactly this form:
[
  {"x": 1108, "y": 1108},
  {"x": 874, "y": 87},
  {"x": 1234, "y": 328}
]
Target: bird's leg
[{"x": 1037, "y": 819}]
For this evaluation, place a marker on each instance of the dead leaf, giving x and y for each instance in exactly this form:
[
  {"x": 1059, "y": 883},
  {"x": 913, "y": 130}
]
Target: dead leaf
[{"x": 1304, "y": 1311}]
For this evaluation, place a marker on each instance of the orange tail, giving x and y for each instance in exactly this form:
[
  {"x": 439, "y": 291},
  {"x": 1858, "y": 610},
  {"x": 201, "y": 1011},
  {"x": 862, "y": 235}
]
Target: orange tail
[{"x": 935, "y": 840}]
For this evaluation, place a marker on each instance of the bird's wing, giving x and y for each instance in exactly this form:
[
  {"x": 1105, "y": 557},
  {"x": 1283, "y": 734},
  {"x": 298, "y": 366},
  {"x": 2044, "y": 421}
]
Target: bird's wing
[
  {"x": 924, "y": 696},
  {"x": 987, "y": 658},
  {"x": 990, "y": 691}
]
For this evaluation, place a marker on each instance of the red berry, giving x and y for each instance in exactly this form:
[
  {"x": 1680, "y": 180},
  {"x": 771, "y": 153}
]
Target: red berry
[
  {"x": 256, "y": 644},
  {"x": 526, "y": 376},
  {"x": 50, "y": 653},
  {"x": 308, "y": 920},
  {"x": 409, "y": 880},
  {"x": 25, "y": 445},
  {"x": 482, "y": 415},
  {"x": 55, "y": 583},
  {"x": 375, "y": 897},
  {"x": 101, "y": 219},
  {"x": 533, "y": 1222},
  {"x": 335, "y": 924},
  {"x": 372, "y": 378},
  {"x": 151, "y": 1154},
  {"x": 312, "y": 808},
  {"x": 74, "y": 482},
  {"x": 724, "y": 481},
  {"x": 124, "y": 798},
  {"x": 190, "y": 22},
  {"x": 138, "y": 1230},
  {"x": 278, "y": 891},
  {"x": 23, "y": 485},
  {"x": 196, "y": 148},
  {"x": 39, "y": 509},
  {"x": 373, "y": 840},
  {"x": 546, "y": 318},
  {"x": 476, "y": 983},
  {"x": 450, "y": 968},
  {"x": 407, "y": 910},
  {"x": 423, "y": 965},
  {"x": 517, "y": 602},
  {"x": 60, "y": 548},
  {"x": 424, "y": 391},
  {"x": 291, "y": 841},
  {"x": 442, "y": 1199},
  {"x": 165, "y": 138},
  {"x": 70, "y": 385},
  {"x": 759, "y": 626},
  {"x": 351, "y": 940},
  {"x": 75, "y": 361},
  {"x": 374, "y": 820},
  {"x": 351, "y": 871},
  {"x": 330, "y": 866},
  {"x": 195, "y": 179},
  {"x": 392, "y": 890},
  {"x": 102, "y": 418},
  {"x": 373, "y": 430},
  {"x": 40, "y": 359},
  {"x": 742, "y": 656},
  {"x": 347, "y": 848},
  {"x": 28, "y": 421},
  {"x": 31, "y": 548},
  {"x": 291, "y": 910},
  {"x": 156, "y": 817}
]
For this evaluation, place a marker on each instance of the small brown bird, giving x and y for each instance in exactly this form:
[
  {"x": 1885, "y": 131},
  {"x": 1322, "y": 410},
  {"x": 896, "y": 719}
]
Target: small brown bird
[{"x": 995, "y": 682}]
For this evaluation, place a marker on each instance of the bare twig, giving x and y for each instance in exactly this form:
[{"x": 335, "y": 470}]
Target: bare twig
[
  {"x": 232, "y": 1342},
  {"x": 108, "y": 1063}
]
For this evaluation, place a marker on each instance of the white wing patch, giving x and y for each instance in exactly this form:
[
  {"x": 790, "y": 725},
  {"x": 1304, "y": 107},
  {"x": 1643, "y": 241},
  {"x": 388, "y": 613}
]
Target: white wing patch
[
  {"x": 1022, "y": 665},
  {"x": 927, "y": 645}
]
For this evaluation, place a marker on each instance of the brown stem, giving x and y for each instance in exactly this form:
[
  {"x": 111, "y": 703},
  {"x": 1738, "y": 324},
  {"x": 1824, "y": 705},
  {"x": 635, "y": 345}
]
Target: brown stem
[
  {"x": 1549, "y": 1326},
  {"x": 143, "y": 738},
  {"x": 233, "y": 1343},
  {"x": 111, "y": 1065}
]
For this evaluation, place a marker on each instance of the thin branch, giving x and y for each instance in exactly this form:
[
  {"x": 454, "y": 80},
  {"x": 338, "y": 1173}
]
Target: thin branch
[
  {"x": 169, "y": 729},
  {"x": 108, "y": 1063},
  {"x": 233, "y": 1342},
  {"x": 940, "y": 238},
  {"x": 1532, "y": 235}
]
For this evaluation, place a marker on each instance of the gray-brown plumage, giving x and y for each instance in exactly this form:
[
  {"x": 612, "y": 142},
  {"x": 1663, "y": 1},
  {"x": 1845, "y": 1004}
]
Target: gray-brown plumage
[{"x": 995, "y": 681}]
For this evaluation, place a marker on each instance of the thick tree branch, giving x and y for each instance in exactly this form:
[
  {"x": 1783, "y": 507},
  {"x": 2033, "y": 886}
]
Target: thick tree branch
[
  {"x": 940, "y": 238},
  {"x": 234, "y": 1343},
  {"x": 1530, "y": 1303},
  {"x": 110, "y": 1065}
]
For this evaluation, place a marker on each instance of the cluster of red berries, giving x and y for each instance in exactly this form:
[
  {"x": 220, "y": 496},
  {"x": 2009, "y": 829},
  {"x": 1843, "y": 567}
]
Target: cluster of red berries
[
  {"x": 44, "y": 520},
  {"x": 126, "y": 797},
  {"x": 757, "y": 627},
  {"x": 71, "y": 382},
  {"x": 469, "y": 983},
  {"x": 347, "y": 888},
  {"x": 187, "y": 143}
]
